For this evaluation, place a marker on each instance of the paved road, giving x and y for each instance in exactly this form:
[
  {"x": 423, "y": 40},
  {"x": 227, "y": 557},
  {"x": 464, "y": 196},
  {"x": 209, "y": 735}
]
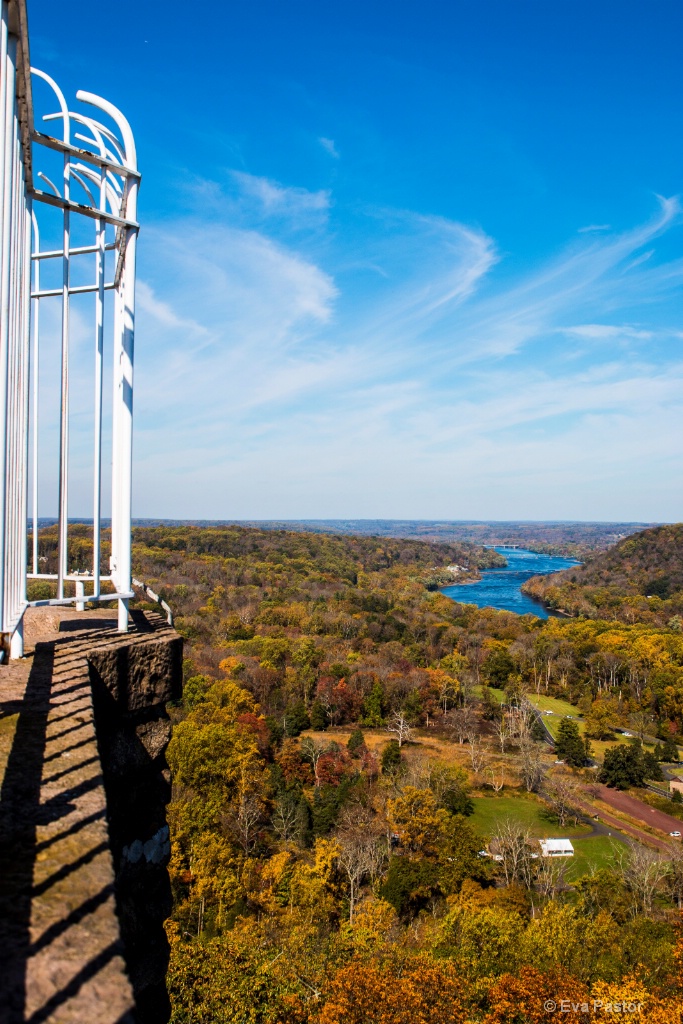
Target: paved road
[{"x": 638, "y": 809}]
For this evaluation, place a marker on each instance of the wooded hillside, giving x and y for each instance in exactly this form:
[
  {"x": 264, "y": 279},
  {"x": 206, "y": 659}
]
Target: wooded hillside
[
  {"x": 350, "y": 741},
  {"x": 639, "y": 579}
]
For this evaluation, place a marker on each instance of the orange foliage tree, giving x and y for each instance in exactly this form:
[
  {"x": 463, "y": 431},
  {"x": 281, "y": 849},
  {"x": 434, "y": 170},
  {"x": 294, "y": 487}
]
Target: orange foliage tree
[
  {"x": 424, "y": 992},
  {"x": 533, "y": 997}
]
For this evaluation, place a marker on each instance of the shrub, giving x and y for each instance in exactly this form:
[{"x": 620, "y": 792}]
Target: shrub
[
  {"x": 356, "y": 743},
  {"x": 391, "y": 756}
]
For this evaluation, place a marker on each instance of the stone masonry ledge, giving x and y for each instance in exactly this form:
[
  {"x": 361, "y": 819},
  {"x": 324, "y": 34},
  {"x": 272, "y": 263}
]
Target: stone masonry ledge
[{"x": 67, "y": 941}]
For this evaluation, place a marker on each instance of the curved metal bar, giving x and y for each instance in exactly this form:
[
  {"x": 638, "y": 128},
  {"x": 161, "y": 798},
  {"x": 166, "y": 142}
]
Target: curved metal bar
[
  {"x": 79, "y": 179},
  {"x": 114, "y": 197},
  {"x": 64, "y": 408},
  {"x": 52, "y": 186},
  {"x": 120, "y": 121},
  {"x": 60, "y": 99},
  {"x": 124, "y": 319},
  {"x": 105, "y": 153},
  {"x": 100, "y": 131},
  {"x": 116, "y": 142}
]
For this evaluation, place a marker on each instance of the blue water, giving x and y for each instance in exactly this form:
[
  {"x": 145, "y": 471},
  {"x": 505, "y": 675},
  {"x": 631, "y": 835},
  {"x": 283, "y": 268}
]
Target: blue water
[{"x": 499, "y": 588}]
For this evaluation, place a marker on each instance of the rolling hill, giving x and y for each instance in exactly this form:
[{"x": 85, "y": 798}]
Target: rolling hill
[{"x": 639, "y": 579}]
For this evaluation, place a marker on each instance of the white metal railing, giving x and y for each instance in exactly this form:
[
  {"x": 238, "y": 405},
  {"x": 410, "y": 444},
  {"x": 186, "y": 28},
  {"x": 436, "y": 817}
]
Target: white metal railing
[
  {"x": 97, "y": 185},
  {"x": 148, "y": 592}
]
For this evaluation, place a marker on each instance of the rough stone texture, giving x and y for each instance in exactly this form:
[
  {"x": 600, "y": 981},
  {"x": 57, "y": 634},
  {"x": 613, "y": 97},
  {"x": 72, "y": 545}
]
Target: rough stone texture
[
  {"x": 81, "y": 769},
  {"x": 131, "y": 685}
]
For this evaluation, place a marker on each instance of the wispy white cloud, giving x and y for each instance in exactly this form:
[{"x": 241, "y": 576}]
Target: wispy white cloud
[
  {"x": 278, "y": 200},
  {"x": 329, "y": 146},
  {"x": 393, "y": 372},
  {"x": 606, "y": 332},
  {"x": 594, "y": 227},
  {"x": 163, "y": 313}
]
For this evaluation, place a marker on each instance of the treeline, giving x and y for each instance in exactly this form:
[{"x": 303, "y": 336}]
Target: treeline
[{"x": 573, "y": 539}]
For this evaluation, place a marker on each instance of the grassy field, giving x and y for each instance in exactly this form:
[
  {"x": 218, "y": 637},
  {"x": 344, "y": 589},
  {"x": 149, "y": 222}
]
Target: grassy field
[
  {"x": 489, "y": 811},
  {"x": 498, "y": 695},
  {"x": 592, "y": 852},
  {"x": 560, "y": 709},
  {"x": 425, "y": 744},
  {"x": 554, "y": 704}
]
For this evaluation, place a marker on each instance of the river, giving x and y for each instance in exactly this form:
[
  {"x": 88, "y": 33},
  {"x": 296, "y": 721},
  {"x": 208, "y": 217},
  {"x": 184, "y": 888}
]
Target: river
[{"x": 500, "y": 588}]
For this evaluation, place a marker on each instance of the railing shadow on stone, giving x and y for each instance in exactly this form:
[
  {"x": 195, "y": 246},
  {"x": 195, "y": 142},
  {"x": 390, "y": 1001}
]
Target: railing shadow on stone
[
  {"x": 83, "y": 836},
  {"x": 20, "y": 813}
]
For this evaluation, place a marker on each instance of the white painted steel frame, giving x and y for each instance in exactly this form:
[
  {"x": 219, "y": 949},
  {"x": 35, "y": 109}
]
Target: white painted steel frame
[
  {"x": 99, "y": 182},
  {"x": 108, "y": 177}
]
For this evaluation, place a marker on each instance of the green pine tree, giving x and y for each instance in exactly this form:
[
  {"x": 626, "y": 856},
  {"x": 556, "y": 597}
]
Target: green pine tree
[
  {"x": 652, "y": 769},
  {"x": 569, "y": 746},
  {"x": 391, "y": 757},
  {"x": 373, "y": 707},
  {"x": 669, "y": 751},
  {"x": 318, "y": 716},
  {"x": 623, "y": 766}
]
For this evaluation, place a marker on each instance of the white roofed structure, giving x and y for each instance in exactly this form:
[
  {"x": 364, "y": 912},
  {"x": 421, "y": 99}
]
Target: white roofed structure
[{"x": 556, "y": 848}]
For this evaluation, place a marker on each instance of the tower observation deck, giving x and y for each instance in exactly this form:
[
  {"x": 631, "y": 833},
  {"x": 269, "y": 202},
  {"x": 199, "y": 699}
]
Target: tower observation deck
[{"x": 68, "y": 230}]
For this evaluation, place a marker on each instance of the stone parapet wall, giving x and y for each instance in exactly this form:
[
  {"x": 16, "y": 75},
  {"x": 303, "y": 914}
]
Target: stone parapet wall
[{"x": 131, "y": 685}]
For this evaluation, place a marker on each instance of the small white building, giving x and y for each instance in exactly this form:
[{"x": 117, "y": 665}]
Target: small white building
[{"x": 556, "y": 848}]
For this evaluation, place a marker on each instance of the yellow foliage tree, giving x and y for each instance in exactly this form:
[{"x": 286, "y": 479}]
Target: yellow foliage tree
[{"x": 418, "y": 822}]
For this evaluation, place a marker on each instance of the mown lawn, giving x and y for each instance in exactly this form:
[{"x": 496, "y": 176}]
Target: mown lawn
[
  {"x": 554, "y": 704},
  {"x": 560, "y": 709},
  {"x": 598, "y": 747},
  {"x": 489, "y": 811},
  {"x": 592, "y": 852},
  {"x": 498, "y": 695}
]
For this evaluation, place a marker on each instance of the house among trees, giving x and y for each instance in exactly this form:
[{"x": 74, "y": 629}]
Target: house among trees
[
  {"x": 676, "y": 786},
  {"x": 556, "y": 848}
]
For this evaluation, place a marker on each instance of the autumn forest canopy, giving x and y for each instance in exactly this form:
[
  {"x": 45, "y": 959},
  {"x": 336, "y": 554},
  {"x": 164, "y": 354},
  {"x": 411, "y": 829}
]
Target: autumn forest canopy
[{"x": 363, "y": 769}]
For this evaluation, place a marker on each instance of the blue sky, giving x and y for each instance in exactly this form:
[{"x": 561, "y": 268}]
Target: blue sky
[{"x": 402, "y": 260}]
